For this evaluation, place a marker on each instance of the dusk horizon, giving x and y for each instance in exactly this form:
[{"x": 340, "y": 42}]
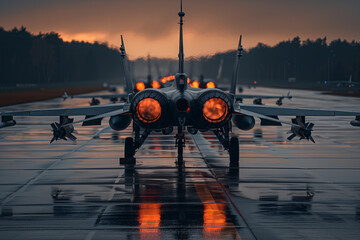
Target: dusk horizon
[{"x": 210, "y": 26}]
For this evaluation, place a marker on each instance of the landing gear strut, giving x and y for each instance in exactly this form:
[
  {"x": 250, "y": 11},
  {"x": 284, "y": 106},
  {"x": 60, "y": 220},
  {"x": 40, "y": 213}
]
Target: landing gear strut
[
  {"x": 131, "y": 145},
  {"x": 180, "y": 143},
  {"x": 230, "y": 144}
]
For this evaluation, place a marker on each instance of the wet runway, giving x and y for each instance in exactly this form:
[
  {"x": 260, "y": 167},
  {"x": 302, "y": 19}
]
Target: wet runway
[{"x": 282, "y": 190}]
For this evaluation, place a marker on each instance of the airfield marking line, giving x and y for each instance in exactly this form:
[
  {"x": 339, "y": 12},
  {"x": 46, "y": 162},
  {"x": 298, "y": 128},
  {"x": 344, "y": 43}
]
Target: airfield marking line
[
  {"x": 90, "y": 235},
  {"x": 206, "y": 198},
  {"x": 42, "y": 172},
  {"x": 112, "y": 191},
  {"x": 222, "y": 186},
  {"x": 204, "y": 189}
]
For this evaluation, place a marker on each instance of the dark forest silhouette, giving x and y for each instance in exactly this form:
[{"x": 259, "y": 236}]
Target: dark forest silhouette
[
  {"x": 45, "y": 58},
  {"x": 309, "y": 62}
]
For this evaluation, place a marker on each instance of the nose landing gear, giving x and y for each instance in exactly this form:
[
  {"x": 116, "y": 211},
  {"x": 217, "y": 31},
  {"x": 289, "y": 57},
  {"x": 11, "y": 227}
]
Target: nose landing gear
[{"x": 180, "y": 143}]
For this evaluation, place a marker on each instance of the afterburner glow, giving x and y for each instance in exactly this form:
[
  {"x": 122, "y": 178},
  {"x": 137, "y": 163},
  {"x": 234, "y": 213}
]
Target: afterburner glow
[
  {"x": 140, "y": 86},
  {"x": 210, "y": 85},
  {"x": 148, "y": 110},
  {"x": 215, "y": 110}
]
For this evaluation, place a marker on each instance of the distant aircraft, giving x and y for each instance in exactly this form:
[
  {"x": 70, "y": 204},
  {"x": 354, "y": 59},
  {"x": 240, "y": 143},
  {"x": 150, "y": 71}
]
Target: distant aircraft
[
  {"x": 203, "y": 82},
  {"x": 140, "y": 85},
  {"x": 182, "y": 107},
  {"x": 209, "y": 83},
  {"x": 150, "y": 82},
  {"x": 348, "y": 84}
]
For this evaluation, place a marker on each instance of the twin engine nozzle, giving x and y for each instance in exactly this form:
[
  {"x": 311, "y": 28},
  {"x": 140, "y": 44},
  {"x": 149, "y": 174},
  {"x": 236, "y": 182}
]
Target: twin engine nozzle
[{"x": 210, "y": 109}]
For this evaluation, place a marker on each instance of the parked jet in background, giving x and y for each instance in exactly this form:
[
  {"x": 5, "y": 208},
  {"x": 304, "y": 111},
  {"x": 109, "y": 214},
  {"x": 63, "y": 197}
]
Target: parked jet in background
[{"x": 348, "y": 84}]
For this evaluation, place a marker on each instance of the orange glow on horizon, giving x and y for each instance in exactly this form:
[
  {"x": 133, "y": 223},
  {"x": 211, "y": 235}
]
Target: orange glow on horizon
[
  {"x": 165, "y": 47},
  {"x": 140, "y": 86}
]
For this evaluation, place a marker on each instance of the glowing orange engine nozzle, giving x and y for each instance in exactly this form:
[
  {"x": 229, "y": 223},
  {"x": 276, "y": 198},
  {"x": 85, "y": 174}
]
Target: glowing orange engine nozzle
[
  {"x": 140, "y": 86},
  {"x": 195, "y": 84},
  {"x": 210, "y": 85},
  {"x": 148, "y": 110},
  {"x": 167, "y": 79},
  {"x": 155, "y": 84},
  {"x": 215, "y": 110}
]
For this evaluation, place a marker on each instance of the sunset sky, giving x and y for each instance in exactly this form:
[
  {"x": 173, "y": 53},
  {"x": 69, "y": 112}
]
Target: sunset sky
[{"x": 150, "y": 26}]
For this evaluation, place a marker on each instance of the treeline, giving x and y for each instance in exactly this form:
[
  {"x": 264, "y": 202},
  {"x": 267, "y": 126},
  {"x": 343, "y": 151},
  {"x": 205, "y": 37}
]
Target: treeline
[
  {"x": 308, "y": 62},
  {"x": 45, "y": 59}
]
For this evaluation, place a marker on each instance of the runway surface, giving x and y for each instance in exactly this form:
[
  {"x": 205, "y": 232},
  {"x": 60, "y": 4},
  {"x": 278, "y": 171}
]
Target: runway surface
[{"x": 282, "y": 190}]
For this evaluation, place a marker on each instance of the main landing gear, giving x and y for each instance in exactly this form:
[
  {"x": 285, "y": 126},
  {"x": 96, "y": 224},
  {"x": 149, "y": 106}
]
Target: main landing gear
[
  {"x": 223, "y": 135},
  {"x": 230, "y": 144},
  {"x": 131, "y": 145}
]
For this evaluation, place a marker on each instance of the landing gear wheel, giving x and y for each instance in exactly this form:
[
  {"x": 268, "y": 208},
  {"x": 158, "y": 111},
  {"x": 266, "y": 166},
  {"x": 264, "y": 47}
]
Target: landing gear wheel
[
  {"x": 128, "y": 152},
  {"x": 234, "y": 151}
]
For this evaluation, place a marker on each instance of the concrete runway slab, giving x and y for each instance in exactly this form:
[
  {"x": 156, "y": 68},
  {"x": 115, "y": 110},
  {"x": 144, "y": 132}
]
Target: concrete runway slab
[{"x": 282, "y": 190}]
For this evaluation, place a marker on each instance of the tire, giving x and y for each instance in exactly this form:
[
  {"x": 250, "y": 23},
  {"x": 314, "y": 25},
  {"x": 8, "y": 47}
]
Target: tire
[
  {"x": 234, "y": 150},
  {"x": 129, "y": 147}
]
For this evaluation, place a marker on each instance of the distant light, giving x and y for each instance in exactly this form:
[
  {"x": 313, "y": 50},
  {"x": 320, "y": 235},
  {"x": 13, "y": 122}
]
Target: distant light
[
  {"x": 155, "y": 84},
  {"x": 140, "y": 86},
  {"x": 195, "y": 84},
  {"x": 210, "y": 85},
  {"x": 167, "y": 78},
  {"x": 255, "y": 82},
  {"x": 325, "y": 82}
]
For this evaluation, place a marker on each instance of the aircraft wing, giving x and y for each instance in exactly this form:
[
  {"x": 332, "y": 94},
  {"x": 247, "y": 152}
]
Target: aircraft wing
[
  {"x": 242, "y": 96},
  {"x": 337, "y": 81},
  {"x": 103, "y": 96},
  {"x": 88, "y": 110},
  {"x": 285, "y": 111}
]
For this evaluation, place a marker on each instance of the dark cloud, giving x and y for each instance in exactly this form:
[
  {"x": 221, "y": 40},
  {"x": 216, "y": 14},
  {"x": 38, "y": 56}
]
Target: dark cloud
[{"x": 209, "y": 20}]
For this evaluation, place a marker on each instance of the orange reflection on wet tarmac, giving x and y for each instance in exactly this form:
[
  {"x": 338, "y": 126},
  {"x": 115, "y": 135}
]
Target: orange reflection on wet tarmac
[
  {"x": 214, "y": 218},
  {"x": 149, "y": 217}
]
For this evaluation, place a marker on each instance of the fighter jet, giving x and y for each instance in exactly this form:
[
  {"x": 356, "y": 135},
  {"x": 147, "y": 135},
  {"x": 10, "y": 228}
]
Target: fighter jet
[
  {"x": 347, "y": 84},
  {"x": 210, "y": 83},
  {"x": 140, "y": 85},
  {"x": 180, "y": 107},
  {"x": 150, "y": 82}
]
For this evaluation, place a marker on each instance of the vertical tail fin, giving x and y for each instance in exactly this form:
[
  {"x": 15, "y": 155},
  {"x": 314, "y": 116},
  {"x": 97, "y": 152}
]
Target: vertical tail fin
[
  {"x": 149, "y": 76},
  {"x": 236, "y": 67},
  {"x": 181, "y": 41},
  {"x": 220, "y": 70},
  {"x": 181, "y": 78},
  {"x": 128, "y": 80}
]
